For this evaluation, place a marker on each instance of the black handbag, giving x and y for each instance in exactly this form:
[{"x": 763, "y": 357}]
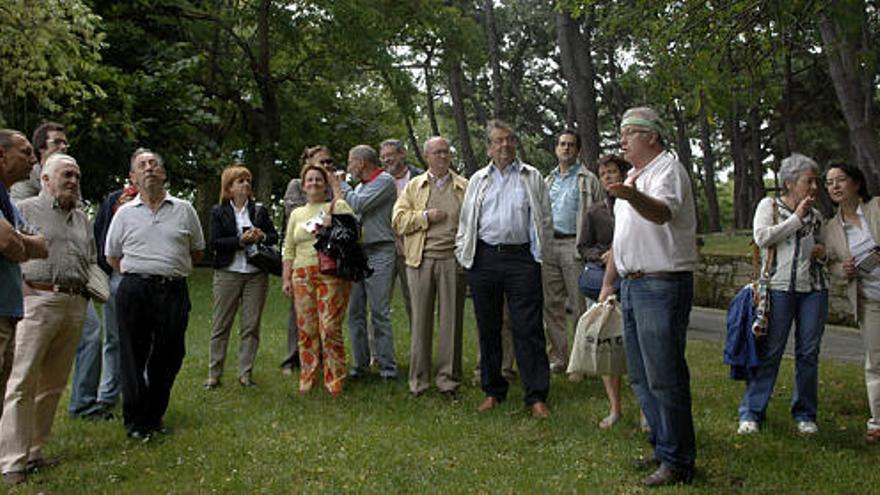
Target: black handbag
[{"x": 266, "y": 258}]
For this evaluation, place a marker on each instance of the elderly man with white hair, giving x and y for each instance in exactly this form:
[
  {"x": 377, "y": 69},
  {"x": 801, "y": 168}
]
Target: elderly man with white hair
[
  {"x": 654, "y": 250},
  {"x": 55, "y": 301}
]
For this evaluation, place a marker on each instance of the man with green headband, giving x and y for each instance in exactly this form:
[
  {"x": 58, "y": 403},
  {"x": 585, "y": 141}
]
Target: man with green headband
[{"x": 654, "y": 250}]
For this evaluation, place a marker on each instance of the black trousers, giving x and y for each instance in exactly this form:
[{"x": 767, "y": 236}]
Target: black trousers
[
  {"x": 510, "y": 272},
  {"x": 152, "y": 313}
]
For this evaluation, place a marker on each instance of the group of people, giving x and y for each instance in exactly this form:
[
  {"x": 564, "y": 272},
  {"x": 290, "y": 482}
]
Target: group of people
[{"x": 504, "y": 231}]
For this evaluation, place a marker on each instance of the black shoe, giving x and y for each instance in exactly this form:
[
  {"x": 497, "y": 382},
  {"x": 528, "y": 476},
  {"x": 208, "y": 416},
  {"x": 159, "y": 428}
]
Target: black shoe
[
  {"x": 666, "y": 475},
  {"x": 389, "y": 378},
  {"x": 101, "y": 414},
  {"x": 450, "y": 395},
  {"x": 646, "y": 462},
  {"x": 39, "y": 463},
  {"x": 139, "y": 436},
  {"x": 164, "y": 430}
]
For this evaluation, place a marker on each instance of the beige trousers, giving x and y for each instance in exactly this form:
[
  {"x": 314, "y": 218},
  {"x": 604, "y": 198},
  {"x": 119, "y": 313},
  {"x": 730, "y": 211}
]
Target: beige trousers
[
  {"x": 869, "y": 324},
  {"x": 45, "y": 345},
  {"x": 443, "y": 282},
  {"x": 7, "y": 351},
  {"x": 559, "y": 272},
  {"x": 231, "y": 290}
]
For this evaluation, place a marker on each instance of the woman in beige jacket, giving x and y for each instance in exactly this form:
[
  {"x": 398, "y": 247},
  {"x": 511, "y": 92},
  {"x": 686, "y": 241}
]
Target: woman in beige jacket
[{"x": 852, "y": 246}]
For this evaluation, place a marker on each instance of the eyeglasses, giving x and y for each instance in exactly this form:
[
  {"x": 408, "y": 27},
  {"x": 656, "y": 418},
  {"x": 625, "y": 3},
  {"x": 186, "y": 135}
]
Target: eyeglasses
[
  {"x": 631, "y": 132},
  {"x": 58, "y": 142}
]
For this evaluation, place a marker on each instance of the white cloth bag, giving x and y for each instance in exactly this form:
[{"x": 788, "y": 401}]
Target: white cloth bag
[{"x": 598, "y": 342}]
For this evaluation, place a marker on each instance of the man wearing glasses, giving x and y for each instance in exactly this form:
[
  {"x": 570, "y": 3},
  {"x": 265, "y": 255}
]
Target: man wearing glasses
[
  {"x": 48, "y": 138},
  {"x": 654, "y": 250},
  {"x": 502, "y": 232}
]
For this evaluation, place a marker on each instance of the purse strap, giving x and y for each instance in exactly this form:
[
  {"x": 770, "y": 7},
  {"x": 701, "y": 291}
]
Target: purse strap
[{"x": 771, "y": 251}]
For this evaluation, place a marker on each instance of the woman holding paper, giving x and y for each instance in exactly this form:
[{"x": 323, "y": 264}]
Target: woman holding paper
[
  {"x": 320, "y": 299},
  {"x": 789, "y": 226},
  {"x": 853, "y": 254}
]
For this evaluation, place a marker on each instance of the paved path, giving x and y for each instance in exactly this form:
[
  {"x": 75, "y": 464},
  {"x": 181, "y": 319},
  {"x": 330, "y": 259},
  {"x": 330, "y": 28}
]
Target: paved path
[{"x": 838, "y": 343}]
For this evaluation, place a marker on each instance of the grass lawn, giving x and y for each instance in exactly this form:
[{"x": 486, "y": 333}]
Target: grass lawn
[
  {"x": 375, "y": 439},
  {"x": 727, "y": 243}
]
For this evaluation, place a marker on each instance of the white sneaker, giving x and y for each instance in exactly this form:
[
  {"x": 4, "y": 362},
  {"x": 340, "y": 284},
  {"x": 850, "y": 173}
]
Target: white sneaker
[
  {"x": 747, "y": 427},
  {"x": 807, "y": 427}
]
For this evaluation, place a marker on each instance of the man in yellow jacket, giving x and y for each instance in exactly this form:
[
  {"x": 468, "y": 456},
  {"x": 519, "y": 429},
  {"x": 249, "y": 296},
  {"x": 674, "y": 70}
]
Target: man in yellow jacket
[{"x": 426, "y": 216}]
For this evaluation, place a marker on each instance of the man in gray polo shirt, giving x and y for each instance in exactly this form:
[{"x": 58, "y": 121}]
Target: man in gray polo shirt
[
  {"x": 372, "y": 200},
  {"x": 153, "y": 241}
]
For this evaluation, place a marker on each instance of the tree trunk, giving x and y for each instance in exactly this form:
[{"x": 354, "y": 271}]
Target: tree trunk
[
  {"x": 789, "y": 123},
  {"x": 498, "y": 109},
  {"x": 413, "y": 142},
  {"x": 576, "y": 62},
  {"x": 266, "y": 121},
  {"x": 683, "y": 146},
  {"x": 460, "y": 113},
  {"x": 741, "y": 206},
  {"x": 841, "y": 44},
  {"x": 714, "y": 213},
  {"x": 756, "y": 173},
  {"x": 429, "y": 98}
]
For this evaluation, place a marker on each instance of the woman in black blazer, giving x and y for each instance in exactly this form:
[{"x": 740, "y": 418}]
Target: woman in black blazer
[{"x": 238, "y": 223}]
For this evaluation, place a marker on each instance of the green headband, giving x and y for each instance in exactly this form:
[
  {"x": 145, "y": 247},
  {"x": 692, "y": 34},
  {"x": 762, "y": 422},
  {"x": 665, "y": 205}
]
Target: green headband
[{"x": 641, "y": 122}]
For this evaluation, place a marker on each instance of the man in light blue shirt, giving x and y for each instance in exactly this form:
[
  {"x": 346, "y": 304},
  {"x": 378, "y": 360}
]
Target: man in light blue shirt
[
  {"x": 503, "y": 226},
  {"x": 572, "y": 189}
]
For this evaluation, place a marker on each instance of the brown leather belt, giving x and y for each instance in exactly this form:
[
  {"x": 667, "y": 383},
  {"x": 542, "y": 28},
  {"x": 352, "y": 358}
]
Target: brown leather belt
[
  {"x": 60, "y": 289},
  {"x": 660, "y": 275}
]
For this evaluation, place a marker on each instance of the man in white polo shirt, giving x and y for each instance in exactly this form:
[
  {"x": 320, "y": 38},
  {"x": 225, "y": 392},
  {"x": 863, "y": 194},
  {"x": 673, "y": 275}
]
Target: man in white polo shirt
[
  {"x": 153, "y": 241},
  {"x": 654, "y": 250}
]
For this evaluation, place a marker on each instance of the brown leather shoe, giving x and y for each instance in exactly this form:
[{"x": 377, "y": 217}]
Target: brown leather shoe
[
  {"x": 872, "y": 436},
  {"x": 14, "y": 478},
  {"x": 646, "y": 462},
  {"x": 666, "y": 475},
  {"x": 539, "y": 410},
  {"x": 488, "y": 404},
  {"x": 41, "y": 463}
]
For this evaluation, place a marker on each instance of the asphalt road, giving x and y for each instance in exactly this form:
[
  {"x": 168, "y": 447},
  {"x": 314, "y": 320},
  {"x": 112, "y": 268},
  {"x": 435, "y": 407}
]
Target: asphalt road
[{"x": 838, "y": 343}]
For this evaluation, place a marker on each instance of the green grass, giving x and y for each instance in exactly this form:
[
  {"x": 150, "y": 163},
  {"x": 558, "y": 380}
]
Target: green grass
[
  {"x": 375, "y": 439},
  {"x": 732, "y": 244}
]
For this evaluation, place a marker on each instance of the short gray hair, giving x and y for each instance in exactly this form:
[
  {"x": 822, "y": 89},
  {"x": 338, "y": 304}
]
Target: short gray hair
[
  {"x": 396, "y": 143},
  {"x": 433, "y": 138},
  {"x": 54, "y": 161},
  {"x": 366, "y": 153},
  {"x": 648, "y": 118},
  {"x": 792, "y": 167},
  {"x": 499, "y": 124},
  {"x": 140, "y": 151}
]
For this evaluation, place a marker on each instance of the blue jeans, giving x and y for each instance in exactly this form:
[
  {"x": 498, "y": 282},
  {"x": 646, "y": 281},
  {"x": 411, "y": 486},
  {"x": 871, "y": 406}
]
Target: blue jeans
[
  {"x": 375, "y": 290},
  {"x": 84, "y": 389},
  {"x": 808, "y": 310},
  {"x": 656, "y": 312},
  {"x": 108, "y": 391}
]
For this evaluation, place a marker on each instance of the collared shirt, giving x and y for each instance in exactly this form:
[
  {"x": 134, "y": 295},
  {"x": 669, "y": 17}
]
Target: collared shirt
[
  {"x": 504, "y": 215},
  {"x": 155, "y": 243},
  {"x": 239, "y": 260},
  {"x": 71, "y": 242},
  {"x": 565, "y": 199},
  {"x": 439, "y": 182},
  {"x": 861, "y": 244},
  {"x": 11, "y": 304},
  {"x": 642, "y": 245},
  {"x": 793, "y": 267},
  {"x": 402, "y": 181},
  {"x": 372, "y": 200}
]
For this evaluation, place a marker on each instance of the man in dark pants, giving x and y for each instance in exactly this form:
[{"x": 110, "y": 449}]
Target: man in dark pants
[
  {"x": 153, "y": 241},
  {"x": 504, "y": 224}
]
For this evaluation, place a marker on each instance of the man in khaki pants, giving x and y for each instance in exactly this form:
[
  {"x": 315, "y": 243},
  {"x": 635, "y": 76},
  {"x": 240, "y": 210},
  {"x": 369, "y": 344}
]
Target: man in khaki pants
[
  {"x": 426, "y": 215},
  {"x": 54, "y": 308}
]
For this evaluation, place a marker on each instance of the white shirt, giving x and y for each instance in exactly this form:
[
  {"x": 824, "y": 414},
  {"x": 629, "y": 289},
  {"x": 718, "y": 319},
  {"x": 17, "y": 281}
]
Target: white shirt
[
  {"x": 794, "y": 238},
  {"x": 239, "y": 260},
  {"x": 642, "y": 245},
  {"x": 860, "y": 245}
]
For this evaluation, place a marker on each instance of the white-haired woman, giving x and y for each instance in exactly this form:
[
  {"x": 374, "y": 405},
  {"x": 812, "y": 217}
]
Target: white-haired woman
[{"x": 798, "y": 293}]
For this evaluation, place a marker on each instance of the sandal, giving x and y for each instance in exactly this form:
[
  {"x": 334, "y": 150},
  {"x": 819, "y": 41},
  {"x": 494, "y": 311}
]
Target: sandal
[{"x": 609, "y": 421}]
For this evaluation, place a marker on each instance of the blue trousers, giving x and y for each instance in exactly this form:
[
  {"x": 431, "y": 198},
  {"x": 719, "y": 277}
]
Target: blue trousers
[
  {"x": 656, "y": 312},
  {"x": 375, "y": 290},
  {"x": 87, "y": 371},
  {"x": 808, "y": 310}
]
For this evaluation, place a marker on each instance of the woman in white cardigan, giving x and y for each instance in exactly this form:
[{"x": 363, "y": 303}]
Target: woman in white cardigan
[
  {"x": 853, "y": 254},
  {"x": 798, "y": 293}
]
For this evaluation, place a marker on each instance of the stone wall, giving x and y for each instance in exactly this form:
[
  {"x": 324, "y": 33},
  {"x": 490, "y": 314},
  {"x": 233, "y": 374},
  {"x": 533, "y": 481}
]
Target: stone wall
[{"x": 719, "y": 277}]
